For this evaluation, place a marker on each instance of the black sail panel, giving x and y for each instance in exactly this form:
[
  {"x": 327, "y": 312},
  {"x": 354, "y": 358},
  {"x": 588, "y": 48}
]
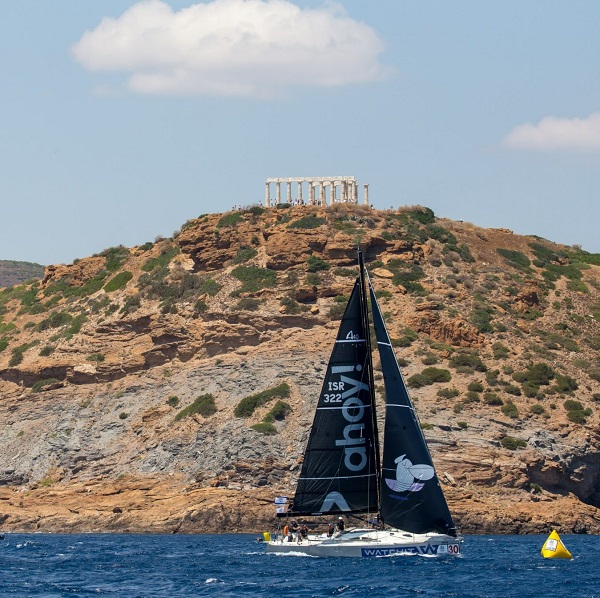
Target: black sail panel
[
  {"x": 411, "y": 496},
  {"x": 339, "y": 470}
]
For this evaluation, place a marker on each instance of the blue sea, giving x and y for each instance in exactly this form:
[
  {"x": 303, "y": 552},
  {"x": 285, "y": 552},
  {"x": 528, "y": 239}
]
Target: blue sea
[{"x": 236, "y": 565}]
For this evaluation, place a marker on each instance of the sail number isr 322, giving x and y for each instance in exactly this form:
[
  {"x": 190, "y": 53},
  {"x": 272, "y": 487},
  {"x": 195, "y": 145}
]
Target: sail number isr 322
[{"x": 335, "y": 398}]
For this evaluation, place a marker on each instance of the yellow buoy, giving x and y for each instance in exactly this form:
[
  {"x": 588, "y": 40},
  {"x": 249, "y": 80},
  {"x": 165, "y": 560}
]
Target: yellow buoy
[
  {"x": 553, "y": 548},
  {"x": 267, "y": 536}
]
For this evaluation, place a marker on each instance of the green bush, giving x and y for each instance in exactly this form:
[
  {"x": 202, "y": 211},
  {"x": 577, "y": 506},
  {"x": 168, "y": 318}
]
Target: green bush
[
  {"x": 230, "y": 220},
  {"x": 491, "y": 398},
  {"x": 173, "y": 401},
  {"x": 510, "y": 410},
  {"x": 408, "y": 277},
  {"x": 578, "y": 417},
  {"x": 565, "y": 383},
  {"x": 244, "y": 254},
  {"x": 537, "y": 409},
  {"x": 99, "y": 357},
  {"x": 336, "y": 311},
  {"x": 481, "y": 318},
  {"x": 308, "y": 222},
  {"x": 118, "y": 281},
  {"x": 538, "y": 374},
  {"x": 200, "y": 306},
  {"x": 17, "y": 355},
  {"x": 512, "y": 444},
  {"x": 3, "y": 344},
  {"x": 513, "y": 389},
  {"x": 448, "y": 393},
  {"x": 426, "y": 426},
  {"x": 55, "y": 320},
  {"x": 123, "y": 415},
  {"x": 421, "y": 214},
  {"x": 316, "y": 264},
  {"x": 500, "y": 351},
  {"x": 162, "y": 261},
  {"x": 265, "y": 428},
  {"x": 253, "y": 278},
  {"x": 406, "y": 340},
  {"x": 429, "y": 376},
  {"x": 535, "y": 488},
  {"x": 466, "y": 362},
  {"x": 471, "y": 397},
  {"x": 204, "y": 405},
  {"x": 515, "y": 258},
  {"x": 248, "y": 304},
  {"x": 247, "y": 406},
  {"x": 475, "y": 386},
  {"x": 278, "y": 412},
  {"x": 46, "y": 350},
  {"x": 41, "y": 384},
  {"x": 463, "y": 425},
  {"x": 115, "y": 257},
  {"x": 76, "y": 324}
]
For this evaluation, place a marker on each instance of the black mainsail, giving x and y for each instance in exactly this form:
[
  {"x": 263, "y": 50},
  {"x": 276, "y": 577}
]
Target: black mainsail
[
  {"x": 411, "y": 496},
  {"x": 340, "y": 472}
]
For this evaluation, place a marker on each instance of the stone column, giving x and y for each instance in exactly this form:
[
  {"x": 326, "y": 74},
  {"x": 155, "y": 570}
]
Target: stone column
[
  {"x": 344, "y": 191},
  {"x": 277, "y": 193},
  {"x": 311, "y": 192},
  {"x": 288, "y": 192},
  {"x": 268, "y": 196},
  {"x": 366, "y": 196},
  {"x": 354, "y": 191},
  {"x": 300, "y": 202},
  {"x": 332, "y": 198},
  {"x": 322, "y": 195}
]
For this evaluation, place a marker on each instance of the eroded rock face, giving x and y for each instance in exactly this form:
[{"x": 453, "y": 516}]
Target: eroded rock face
[
  {"x": 77, "y": 273},
  {"x": 455, "y": 332}
]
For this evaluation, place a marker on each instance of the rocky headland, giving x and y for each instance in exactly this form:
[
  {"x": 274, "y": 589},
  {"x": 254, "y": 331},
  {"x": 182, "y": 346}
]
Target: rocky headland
[{"x": 170, "y": 387}]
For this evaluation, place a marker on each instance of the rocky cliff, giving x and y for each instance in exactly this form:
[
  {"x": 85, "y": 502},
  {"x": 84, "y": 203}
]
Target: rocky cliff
[{"x": 171, "y": 386}]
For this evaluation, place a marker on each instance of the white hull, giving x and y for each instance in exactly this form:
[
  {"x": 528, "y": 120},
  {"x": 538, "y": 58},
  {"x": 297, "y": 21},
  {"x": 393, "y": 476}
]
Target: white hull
[{"x": 369, "y": 543}]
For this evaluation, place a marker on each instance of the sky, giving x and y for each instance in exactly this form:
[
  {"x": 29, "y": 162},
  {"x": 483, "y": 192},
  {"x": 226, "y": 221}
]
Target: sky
[{"x": 121, "y": 120}]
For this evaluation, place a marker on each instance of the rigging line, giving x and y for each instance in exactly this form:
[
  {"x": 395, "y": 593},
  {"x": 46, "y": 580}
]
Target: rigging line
[
  {"x": 341, "y": 477},
  {"x": 363, "y": 274}
]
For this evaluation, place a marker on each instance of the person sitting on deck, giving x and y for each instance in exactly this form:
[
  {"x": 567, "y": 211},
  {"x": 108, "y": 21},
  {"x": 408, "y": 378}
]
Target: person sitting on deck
[
  {"x": 304, "y": 532},
  {"x": 341, "y": 526},
  {"x": 330, "y": 530},
  {"x": 295, "y": 530}
]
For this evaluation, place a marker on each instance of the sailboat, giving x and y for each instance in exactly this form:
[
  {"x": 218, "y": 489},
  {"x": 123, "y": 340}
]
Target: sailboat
[{"x": 343, "y": 474}]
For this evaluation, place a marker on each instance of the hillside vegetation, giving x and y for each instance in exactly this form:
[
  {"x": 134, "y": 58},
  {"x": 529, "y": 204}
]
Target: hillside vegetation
[
  {"x": 193, "y": 364},
  {"x": 12, "y": 272}
]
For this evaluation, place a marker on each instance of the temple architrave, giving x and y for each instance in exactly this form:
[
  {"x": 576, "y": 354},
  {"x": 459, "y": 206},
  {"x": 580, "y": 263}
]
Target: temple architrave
[{"x": 322, "y": 190}]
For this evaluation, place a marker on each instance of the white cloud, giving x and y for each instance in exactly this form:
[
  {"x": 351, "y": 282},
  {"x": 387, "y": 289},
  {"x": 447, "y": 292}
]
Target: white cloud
[
  {"x": 232, "y": 47},
  {"x": 553, "y": 133}
]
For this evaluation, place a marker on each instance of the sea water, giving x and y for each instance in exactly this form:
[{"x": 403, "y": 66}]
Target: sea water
[{"x": 236, "y": 565}]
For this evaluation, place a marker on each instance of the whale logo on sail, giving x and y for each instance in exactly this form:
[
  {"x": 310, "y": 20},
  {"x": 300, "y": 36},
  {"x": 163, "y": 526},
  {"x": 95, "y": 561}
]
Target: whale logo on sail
[{"x": 409, "y": 477}]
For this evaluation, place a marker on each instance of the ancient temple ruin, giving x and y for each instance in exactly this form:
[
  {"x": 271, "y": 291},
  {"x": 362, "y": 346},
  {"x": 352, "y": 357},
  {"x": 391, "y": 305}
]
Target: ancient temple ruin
[{"x": 322, "y": 190}]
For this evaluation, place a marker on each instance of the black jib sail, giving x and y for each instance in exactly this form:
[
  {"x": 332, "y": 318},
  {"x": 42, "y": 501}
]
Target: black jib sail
[
  {"x": 339, "y": 472},
  {"x": 411, "y": 496}
]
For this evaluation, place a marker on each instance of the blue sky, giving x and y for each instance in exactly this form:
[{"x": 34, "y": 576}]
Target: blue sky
[{"x": 120, "y": 120}]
